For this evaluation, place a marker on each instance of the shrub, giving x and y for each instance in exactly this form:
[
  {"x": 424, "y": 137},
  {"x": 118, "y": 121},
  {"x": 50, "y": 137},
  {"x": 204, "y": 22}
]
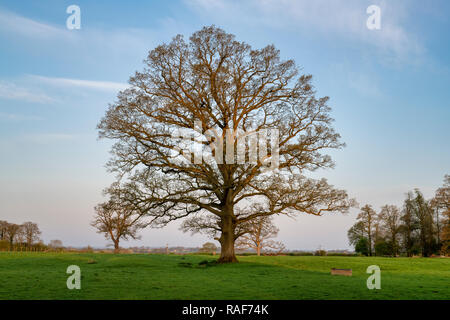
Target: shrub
[
  {"x": 4, "y": 245},
  {"x": 362, "y": 246},
  {"x": 320, "y": 253},
  {"x": 300, "y": 254},
  {"x": 383, "y": 248}
]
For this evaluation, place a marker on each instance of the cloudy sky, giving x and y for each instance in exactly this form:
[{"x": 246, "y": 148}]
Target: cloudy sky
[{"x": 389, "y": 91}]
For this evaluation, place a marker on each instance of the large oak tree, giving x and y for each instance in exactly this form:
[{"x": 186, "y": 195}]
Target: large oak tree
[{"x": 224, "y": 85}]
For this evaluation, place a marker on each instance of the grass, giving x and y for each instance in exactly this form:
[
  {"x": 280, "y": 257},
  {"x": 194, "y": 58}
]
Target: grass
[{"x": 140, "y": 276}]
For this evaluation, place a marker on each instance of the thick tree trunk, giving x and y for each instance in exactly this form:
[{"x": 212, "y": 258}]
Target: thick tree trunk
[
  {"x": 258, "y": 250},
  {"x": 227, "y": 241}
]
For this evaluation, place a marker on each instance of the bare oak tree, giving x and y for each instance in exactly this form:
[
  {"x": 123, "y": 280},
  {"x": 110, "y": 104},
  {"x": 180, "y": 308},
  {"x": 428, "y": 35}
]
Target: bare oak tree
[
  {"x": 208, "y": 247},
  {"x": 368, "y": 217},
  {"x": 423, "y": 212},
  {"x": 390, "y": 218},
  {"x": 3, "y": 227},
  {"x": 31, "y": 232},
  {"x": 55, "y": 244},
  {"x": 218, "y": 84},
  {"x": 12, "y": 230},
  {"x": 259, "y": 236},
  {"x": 409, "y": 224},
  {"x": 441, "y": 203},
  {"x": 116, "y": 221}
]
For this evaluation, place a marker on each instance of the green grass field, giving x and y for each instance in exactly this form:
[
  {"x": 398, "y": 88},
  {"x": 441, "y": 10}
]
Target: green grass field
[{"x": 139, "y": 276}]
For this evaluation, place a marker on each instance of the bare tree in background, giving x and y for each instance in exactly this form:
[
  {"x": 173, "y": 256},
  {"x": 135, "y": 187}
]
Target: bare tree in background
[
  {"x": 55, "y": 244},
  {"x": 224, "y": 85},
  {"x": 259, "y": 236},
  {"x": 409, "y": 224},
  {"x": 116, "y": 221},
  {"x": 356, "y": 233},
  {"x": 208, "y": 247},
  {"x": 3, "y": 227},
  {"x": 423, "y": 212},
  {"x": 12, "y": 231},
  {"x": 368, "y": 218},
  {"x": 441, "y": 202},
  {"x": 390, "y": 220},
  {"x": 31, "y": 232},
  {"x": 20, "y": 236}
]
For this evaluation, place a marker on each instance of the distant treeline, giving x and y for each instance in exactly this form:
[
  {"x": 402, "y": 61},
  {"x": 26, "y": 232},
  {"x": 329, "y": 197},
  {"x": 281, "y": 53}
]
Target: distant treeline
[
  {"x": 24, "y": 237},
  {"x": 420, "y": 227}
]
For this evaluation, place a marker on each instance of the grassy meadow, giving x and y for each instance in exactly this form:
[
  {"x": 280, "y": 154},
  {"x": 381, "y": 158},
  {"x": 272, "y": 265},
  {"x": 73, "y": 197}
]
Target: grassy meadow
[{"x": 144, "y": 276}]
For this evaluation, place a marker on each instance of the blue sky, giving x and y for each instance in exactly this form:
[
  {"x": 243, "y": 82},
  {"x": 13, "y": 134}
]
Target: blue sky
[{"x": 389, "y": 91}]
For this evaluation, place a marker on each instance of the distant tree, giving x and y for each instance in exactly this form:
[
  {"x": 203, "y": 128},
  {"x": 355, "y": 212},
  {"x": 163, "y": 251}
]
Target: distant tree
[
  {"x": 356, "y": 232},
  {"x": 208, "y": 247},
  {"x": 442, "y": 196},
  {"x": 117, "y": 221},
  {"x": 445, "y": 236},
  {"x": 320, "y": 252},
  {"x": 383, "y": 248},
  {"x": 441, "y": 203},
  {"x": 390, "y": 219},
  {"x": 55, "y": 244},
  {"x": 258, "y": 236},
  {"x": 40, "y": 246},
  {"x": 3, "y": 227},
  {"x": 368, "y": 217},
  {"x": 409, "y": 225},
  {"x": 12, "y": 231},
  {"x": 20, "y": 239},
  {"x": 378, "y": 231},
  {"x": 4, "y": 245},
  {"x": 422, "y": 211},
  {"x": 232, "y": 90},
  {"x": 362, "y": 246},
  {"x": 31, "y": 232}
]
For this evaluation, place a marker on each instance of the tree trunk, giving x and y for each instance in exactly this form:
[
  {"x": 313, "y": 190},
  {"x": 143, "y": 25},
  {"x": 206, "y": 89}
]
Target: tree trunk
[
  {"x": 116, "y": 247},
  {"x": 227, "y": 240}
]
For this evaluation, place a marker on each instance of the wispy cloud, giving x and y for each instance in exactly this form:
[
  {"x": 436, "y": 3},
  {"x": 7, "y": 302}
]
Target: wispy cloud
[
  {"x": 364, "y": 84},
  {"x": 28, "y": 27},
  {"x": 51, "y": 90},
  {"x": 119, "y": 44},
  {"x": 19, "y": 117},
  {"x": 90, "y": 84},
  {"x": 46, "y": 138},
  {"x": 329, "y": 17},
  {"x": 9, "y": 90}
]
